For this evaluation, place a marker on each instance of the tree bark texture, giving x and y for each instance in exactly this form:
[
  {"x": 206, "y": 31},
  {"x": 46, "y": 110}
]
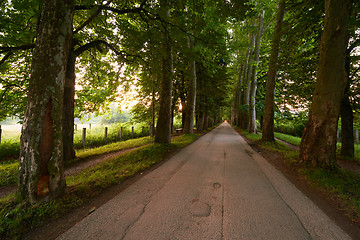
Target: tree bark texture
[
  {"x": 268, "y": 124},
  {"x": 68, "y": 112},
  {"x": 318, "y": 144},
  {"x": 253, "y": 79},
  {"x": 41, "y": 174},
  {"x": 191, "y": 94},
  {"x": 163, "y": 127}
]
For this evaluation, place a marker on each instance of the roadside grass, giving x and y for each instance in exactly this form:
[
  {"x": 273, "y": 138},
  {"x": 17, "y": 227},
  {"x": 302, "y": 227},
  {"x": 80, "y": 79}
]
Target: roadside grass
[
  {"x": 340, "y": 185},
  {"x": 288, "y": 138},
  {"x": 8, "y": 170},
  {"x": 83, "y": 154},
  {"x": 18, "y": 218}
]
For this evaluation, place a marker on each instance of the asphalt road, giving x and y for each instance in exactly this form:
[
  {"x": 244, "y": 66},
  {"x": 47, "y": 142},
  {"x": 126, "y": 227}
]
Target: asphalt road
[{"x": 216, "y": 188}]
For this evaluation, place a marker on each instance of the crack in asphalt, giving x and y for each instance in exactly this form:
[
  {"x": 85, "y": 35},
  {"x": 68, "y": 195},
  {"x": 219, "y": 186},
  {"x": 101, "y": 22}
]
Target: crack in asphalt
[{"x": 134, "y": 222}]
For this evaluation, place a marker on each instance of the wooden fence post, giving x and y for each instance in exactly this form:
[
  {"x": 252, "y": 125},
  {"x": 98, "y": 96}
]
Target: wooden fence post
[
  {"x": 357, "y": 135},
  {"x": 106, "y": 132},
  {"x": 121, "y": 133},
  {"x": 89, "y": 125},
  {"x": 84, "y": 137},
  {"x": 132, "y": 132},
  {"x": 75, "y": 127}
]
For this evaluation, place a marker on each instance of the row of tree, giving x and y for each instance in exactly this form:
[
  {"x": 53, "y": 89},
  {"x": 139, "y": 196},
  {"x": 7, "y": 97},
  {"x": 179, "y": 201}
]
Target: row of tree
[
  {"x": 177, "y": 53},
  {"x": 169, "y": 48},
  {"x": 306, "y": 47}
]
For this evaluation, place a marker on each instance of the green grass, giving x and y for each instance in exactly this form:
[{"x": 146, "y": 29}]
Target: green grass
[
  {"x": 18, "y": 218},
  {"x": 10, "y": 144},
  {"x": 288, "y": 138},
  {"x": 9, "y": 149},
  {"x": 8, "y": 173},
  {"x": 344, "y": 185},
  {"x": 8, "y": 170},
  {"x": 112, "y": 147}
]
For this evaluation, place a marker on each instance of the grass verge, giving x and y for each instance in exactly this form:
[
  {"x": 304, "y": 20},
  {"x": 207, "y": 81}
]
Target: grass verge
[
  {"x": 338, "y": 185},
  {"x": 18, "y": 218},
  {"x": 288, "y": 138},
  {"x": 8, "y": 170}
]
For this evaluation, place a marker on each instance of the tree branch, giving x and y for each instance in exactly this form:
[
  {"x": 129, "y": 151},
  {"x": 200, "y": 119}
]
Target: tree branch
[
  {"x": 10, "y": 49},
  {"x": 7, "y": 87},
  {"x": 91, "y": 17},
  {"x": 5, "y": 58},
  {"x": 353, "y": 45},
  {"x": 106, "y": 7}
]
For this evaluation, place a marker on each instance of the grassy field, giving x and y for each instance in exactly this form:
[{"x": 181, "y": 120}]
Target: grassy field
[{"x": 10, "y": 144}]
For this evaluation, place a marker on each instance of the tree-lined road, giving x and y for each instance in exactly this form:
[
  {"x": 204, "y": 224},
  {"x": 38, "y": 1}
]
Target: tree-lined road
[{"x": 216, "y": 188}]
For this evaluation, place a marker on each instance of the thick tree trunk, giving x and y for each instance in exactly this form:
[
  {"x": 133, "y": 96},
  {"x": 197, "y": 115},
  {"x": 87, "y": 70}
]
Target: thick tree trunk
[
  {"x": 191, "y": 96},
  {"x": 41, "y": 174},
  {"x": 268, "y": 124},
  {"x": 318, "y": 144},
  {"x": 68, "y": 113},
  {"x": 253, "y": 79},
  {"x": 163, "y": 127}
]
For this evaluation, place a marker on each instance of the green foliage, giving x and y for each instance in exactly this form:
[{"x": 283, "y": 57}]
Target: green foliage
[
  {"x": 9, "y": 150},
  {"x": 8, "y": 173},
  {"x": 292, "y": 124}
]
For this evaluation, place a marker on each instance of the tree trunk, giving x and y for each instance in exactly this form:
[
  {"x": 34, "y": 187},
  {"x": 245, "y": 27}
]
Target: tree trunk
[
  {"x": 347, "y": 128},
  {"x": 191, "y": 96},
  {"x": 41, "y": 173},
  {"x": 347, "y": 117},
  {"x": 318, "y": 144},
  {"x": 253, "y": 79},
  {"x": 68, "y": 112},
  {"x": 268, "y": 124},
  {"x": 163, "y": 127},
  {"x": 152, "y": 127},
  {"x": 237, "y": 100},
  {"x": 246, "y": 84},
  {"x": 200, "y": 124}
]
